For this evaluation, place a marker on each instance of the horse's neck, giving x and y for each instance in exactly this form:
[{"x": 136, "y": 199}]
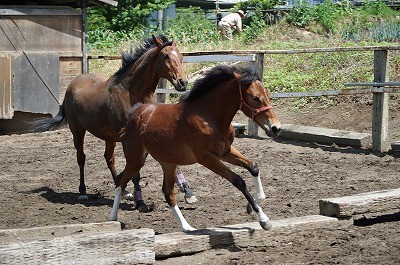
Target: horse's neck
[
  {"x": 222, "y": 103},
  {"x": 142, "y": 81}
]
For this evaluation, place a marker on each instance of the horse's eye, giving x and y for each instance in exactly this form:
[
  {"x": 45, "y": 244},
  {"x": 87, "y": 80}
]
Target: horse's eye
[
  {"x": 166, "y": 57},
  {"x": 256, "y": 99}
]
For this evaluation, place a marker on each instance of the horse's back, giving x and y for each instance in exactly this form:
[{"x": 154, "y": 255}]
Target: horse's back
[
  {"x": 88, "y": 80},
  {"x": 90, "y": 104}
]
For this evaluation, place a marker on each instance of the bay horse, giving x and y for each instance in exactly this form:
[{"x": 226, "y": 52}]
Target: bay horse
[
  {"x": 198, "y": 130},
  {"x": 100, "y": 105}
]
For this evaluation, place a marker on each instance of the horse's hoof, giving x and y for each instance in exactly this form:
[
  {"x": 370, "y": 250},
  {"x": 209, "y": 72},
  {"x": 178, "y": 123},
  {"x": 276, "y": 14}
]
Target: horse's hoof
[
  {"x": 142, "y": 207},
  {"x": 266, "y": 225},
  {"x": 83, "y": 197},
  {"x": 191, "y": 200},
  {"x": 129, "y": 196},
  {"x": 188, "y": 229},
  {"x": 261, "y": 197},
  {"x": 249, "y": 209}
]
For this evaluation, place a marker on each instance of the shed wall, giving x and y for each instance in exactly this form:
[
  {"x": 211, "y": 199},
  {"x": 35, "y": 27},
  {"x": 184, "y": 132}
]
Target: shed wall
[{"x": 48, "y": 41}]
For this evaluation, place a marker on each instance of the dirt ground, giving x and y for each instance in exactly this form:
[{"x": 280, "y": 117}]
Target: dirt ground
[{"x": 40, "y": 181}]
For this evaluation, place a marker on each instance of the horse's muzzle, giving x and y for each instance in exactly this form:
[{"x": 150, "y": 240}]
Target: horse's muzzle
[
  {"x": 181, "y": 85},
  {"x": 273, "y": 130}
]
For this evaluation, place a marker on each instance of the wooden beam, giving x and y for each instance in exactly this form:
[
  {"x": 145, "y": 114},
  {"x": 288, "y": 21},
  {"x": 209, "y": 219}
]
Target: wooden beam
[
  {"x": 380, "y": 107},
  {"x": 218, "y": 58},
  {"x": 259, "y": 64},
  {"x": 50, "y": 232},
  {"x": 369, "y": 202},
  {"x": 241, "y": 235},
  {"x": 125, "y": 247},
  {"x": 298, "y": 51}
]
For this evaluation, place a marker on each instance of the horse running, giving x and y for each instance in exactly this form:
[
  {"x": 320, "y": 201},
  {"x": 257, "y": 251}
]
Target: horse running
[
  {"x": 100, "y": 105},
  {"x": 198, "y": 129}
]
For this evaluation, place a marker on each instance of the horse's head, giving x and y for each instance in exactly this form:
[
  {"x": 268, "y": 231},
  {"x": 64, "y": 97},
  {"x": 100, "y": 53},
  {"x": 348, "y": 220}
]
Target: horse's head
[
  {"x": 255, "y": 103},
  {"x": 169, "y": 64}
]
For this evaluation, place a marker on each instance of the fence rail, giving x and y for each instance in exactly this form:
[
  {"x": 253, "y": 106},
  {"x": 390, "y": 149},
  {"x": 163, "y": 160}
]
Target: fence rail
[{"x": 380, "y": 87}]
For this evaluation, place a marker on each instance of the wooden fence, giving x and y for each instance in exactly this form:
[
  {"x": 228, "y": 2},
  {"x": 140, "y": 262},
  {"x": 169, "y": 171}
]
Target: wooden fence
[{"x": 380, "y": 87}]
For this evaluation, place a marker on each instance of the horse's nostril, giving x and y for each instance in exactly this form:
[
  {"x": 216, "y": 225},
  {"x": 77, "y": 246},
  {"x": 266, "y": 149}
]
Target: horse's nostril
[
  {"x": 276, "y": 130},
  {"x": 182, "y": 83}
]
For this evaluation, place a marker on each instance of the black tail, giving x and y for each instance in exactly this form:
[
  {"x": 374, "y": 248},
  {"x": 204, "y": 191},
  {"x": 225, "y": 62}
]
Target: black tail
[{"x": 49, "y": 124}]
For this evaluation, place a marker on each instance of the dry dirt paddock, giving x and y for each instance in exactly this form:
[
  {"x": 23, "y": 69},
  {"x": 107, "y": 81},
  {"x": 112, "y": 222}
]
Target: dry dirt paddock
[{"x": 39, "y": 186}]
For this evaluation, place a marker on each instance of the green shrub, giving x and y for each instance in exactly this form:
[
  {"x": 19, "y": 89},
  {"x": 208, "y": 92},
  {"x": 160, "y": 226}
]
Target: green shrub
[
  {"x": 256, "y": 25},
  {"x": 301, "y": 15},
  {"x": 191, "y": 26}
]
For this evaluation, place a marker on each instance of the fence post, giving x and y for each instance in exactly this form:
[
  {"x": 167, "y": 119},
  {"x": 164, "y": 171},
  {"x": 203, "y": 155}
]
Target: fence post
[
  {"x": 380, "y": 113},
  {"x": 161, "y": 97},
  {"x": 259, "y": 64}
]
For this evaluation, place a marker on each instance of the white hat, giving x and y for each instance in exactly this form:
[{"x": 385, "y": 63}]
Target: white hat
[{"x": 240, "y": 12}]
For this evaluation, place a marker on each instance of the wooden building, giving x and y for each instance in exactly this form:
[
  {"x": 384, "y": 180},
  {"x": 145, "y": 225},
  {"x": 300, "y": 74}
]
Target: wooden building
[{"x": 42, "y": 48}]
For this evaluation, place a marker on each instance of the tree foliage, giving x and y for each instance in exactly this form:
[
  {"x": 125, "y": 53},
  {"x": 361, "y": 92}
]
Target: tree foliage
[{"x": 128, "y": 16}]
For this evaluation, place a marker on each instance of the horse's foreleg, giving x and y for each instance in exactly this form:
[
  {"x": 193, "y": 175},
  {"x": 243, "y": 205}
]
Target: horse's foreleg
[
  {"x": 110, "y": 160},
  {"x": 121, "y": 181},
  {"x": 184, "y": 187},
  {"x": 168, "y": 190},
  {"x": 214, "y": 164},
  {"x": 236, "y": 158}
]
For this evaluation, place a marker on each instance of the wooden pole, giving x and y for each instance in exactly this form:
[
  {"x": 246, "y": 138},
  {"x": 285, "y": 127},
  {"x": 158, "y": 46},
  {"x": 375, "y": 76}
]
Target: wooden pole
[
  {"x": 259, "y": 63},
  {"x": 85, "y": 61},
  {"x": 380, "y": 114},
  {"x": 161, "y": 97}
]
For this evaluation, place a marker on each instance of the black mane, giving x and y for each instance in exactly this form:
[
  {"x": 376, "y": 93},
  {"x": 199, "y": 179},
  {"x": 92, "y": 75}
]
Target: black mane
[
  {"x": 128, "y": 59},
  {"x": 219, "y": 74}
]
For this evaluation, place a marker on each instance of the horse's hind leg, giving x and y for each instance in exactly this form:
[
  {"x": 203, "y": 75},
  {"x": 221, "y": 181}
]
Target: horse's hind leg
[
  {"x": 168, "y": 189},
  {"x": 184, "y": 187},
  {"x": 213, "y": 163},
  {"x": 236, "y": 158},
  {"x": 139, "y": 202},
  {"x": 110, "y": 160},
  {"x": 78, "y": 133}
]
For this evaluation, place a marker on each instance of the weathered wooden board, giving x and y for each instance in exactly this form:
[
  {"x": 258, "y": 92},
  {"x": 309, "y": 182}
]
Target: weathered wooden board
[
  {"x": 6, "y": 86},
  {"x": 41, "y": 33},
  {"x": 36, "y": 83},
  {"x": 242, "y": 235},
  {"x": 219, "y": 58},
  {"x": 369, "y": 202},
  {"x": 50, "y": 232},
  {"x": 325, "y": 135},
  {"x": 125, "y": 247}
]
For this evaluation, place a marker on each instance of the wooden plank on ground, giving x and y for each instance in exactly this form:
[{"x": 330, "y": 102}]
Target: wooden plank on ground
[
  {"x": 363, "y": 203},
  {"x": 325, "y": 135},
  {"x": 124, "y": 247},
  {"x": 396, "y": 146},
  {"x": 242, "y": 235},
  {"x": 49, "y": 232}
]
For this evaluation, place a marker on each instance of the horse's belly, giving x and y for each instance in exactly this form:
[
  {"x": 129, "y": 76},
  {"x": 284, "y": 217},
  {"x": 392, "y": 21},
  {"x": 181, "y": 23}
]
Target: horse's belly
[{"x": 171, "y": 152}]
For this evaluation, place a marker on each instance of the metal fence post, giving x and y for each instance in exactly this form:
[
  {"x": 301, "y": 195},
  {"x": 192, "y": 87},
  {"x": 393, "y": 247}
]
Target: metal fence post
[{"x": 380, "y": 114}]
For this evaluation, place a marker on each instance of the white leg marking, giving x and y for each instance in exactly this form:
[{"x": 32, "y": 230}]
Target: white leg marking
[
  {"x": 117, "y": 199},
  {"x": 264, "y": 220},
  {"x": 185, "y": 226},
  {"x": 128, "y": 196},
  {"x": 260, "y": 195}
]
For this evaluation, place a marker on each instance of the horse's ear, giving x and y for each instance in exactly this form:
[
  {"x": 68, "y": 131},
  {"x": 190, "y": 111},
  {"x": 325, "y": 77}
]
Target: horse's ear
[
  {"x": 174, "y": 43},
  {"x": 157, "y": 41},
  {"x": 236, "y": 75}
]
